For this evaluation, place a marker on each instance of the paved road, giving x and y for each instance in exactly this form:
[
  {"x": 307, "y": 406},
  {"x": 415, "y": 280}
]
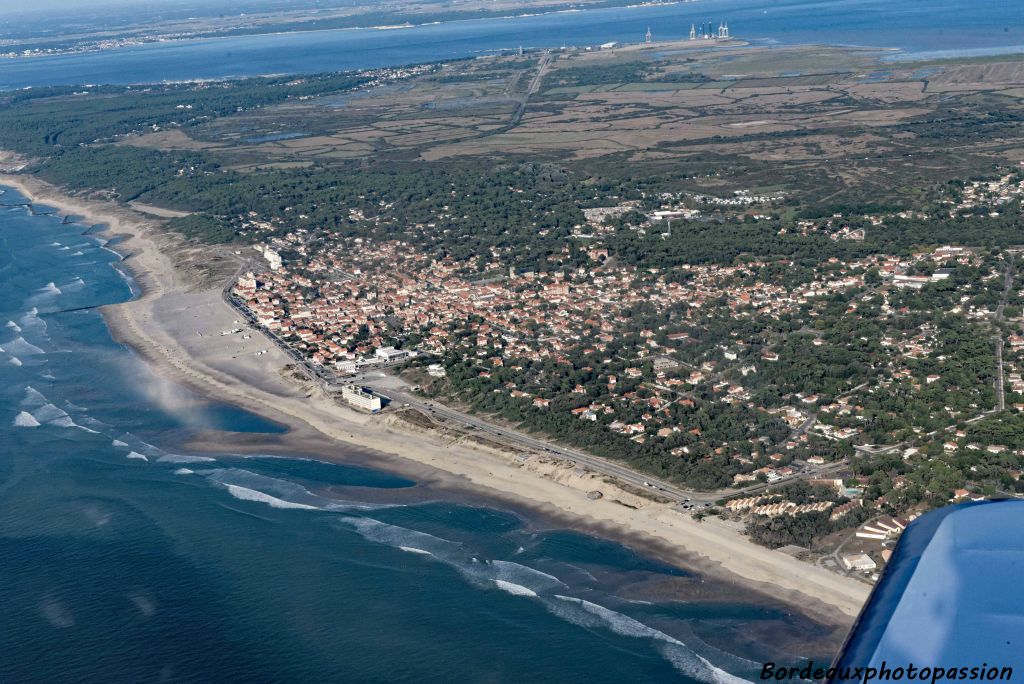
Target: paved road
[
  {"x": 999, "y": 379},
  {"x": 388, "y": 387},
  {"x": 542, "y": 68},
  {"x": 399, "y": 396},
  {"x": 810, "y": 474},
  {"x": 595, "y": 463}
]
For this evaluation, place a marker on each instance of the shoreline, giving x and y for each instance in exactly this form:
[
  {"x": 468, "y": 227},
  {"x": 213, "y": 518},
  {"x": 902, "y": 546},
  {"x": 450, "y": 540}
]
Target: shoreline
[{"x": 155, "y": 325}]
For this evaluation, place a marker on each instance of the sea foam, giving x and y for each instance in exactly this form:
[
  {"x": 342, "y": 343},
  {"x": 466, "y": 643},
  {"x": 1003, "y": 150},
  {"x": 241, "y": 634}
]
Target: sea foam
[
  {"x": 20, "y": 347},
  {"x": 413, "y": 549},
  {"x": 25, "y": 419},
  {"x": 517, "y": 573},
  {"x": 521, "y": 580},
  {"x": 136, "y": 455},
  {"x": 515, "y": 589},
  {"x": 48, "y": 413},
  {"x": 404, "y": 538},
  {"x": 34, "y": 397},
  {"x": 184, "y": 458},
  {"x": 246, "y": 494},
  {"x": 682, "y": 657}
]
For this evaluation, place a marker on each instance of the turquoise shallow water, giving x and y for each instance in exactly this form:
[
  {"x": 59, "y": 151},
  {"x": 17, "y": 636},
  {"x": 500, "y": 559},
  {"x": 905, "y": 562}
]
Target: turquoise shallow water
[{"x": 123, "y": 559}]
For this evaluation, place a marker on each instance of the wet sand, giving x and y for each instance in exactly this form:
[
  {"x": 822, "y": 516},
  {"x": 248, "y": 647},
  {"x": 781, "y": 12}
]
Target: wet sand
[{"x": 175, "y": 325}]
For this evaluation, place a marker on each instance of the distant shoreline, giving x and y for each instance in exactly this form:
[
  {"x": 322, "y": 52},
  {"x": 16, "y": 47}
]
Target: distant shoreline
[
  {"x": 153, "y": 326},
  {"x": 383, "y": 42}
]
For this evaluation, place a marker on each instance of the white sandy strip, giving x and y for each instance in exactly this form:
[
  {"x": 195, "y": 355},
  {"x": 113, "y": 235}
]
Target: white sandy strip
[{"x": 157, "y": 326}]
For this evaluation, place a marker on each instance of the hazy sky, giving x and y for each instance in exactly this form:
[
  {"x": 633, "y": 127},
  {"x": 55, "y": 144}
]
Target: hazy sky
[
  {"x": 8, "y": 7},
  {"x": 40, "y": 6}
]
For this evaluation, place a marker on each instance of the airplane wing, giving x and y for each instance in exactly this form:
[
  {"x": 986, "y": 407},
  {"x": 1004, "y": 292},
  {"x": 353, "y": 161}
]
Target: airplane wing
[{"x": 951, "y": 597}]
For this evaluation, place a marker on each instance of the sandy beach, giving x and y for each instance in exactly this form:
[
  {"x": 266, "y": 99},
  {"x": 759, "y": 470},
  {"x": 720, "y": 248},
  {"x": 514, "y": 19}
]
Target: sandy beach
[{"x": 175, "y": 326}]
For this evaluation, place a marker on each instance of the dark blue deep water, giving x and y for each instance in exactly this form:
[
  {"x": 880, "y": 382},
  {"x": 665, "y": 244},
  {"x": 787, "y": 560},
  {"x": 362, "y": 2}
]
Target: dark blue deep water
[
  {"x": 124, "y": 559},
  {"x": 919, "y": 27}
]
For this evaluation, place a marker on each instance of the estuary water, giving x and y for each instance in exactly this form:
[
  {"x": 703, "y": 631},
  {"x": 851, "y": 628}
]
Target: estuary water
[
  {"x": 126, "y": 559},
  {"x": 921, "y": 28}
]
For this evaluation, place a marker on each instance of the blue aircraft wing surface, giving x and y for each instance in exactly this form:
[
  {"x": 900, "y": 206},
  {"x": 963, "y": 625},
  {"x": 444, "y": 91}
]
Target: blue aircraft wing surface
[{"x": 952, "y": 596}]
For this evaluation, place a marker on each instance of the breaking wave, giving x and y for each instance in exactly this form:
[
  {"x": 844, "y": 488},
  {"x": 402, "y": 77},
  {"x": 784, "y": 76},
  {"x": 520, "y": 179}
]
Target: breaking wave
[
  {"x": 133, "y": 443},
  {"x": 682, "y": 657},
  {"x": 512, "y": 578},
  {"x": 405, "y": 539},
  {"x": 413, "y": 549},
  {"x": 246, "y": 494},
  {"x": 136, "y": 455},
  {"x": 95, "y": 423},
  {"x": 25, "y": 419},
  {"x": 520, "y": 580},
  {"x": 128, "y": 280},
  {"x": 283, "y": 490},
  {"x": 515, "y": 589},
  {"x": 278, "y": 488},
  {"x": 508, "y": 571},
  {"x": 34, "y": 398},
  {"x": 48, "y": 413},
  {"x": 184, "y": 458},
  {"x": 20, "y": 347},
  {"x": 32, "y": 321}
]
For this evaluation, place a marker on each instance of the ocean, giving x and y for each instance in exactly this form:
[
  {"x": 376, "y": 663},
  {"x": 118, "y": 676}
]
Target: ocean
[
  {"x": 127, "y": 558},
  {"x": 919, "y": 28}
]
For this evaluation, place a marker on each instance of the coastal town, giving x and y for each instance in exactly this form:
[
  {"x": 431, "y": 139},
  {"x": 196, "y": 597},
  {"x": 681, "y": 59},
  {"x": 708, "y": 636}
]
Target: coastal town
[
  {"x": 663, "y": 341},
  {"x": 837, "y": 395}
]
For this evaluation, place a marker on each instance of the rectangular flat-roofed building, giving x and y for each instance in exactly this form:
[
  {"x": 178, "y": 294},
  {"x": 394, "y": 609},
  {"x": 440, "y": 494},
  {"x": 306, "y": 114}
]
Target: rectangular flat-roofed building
[
  {"x": 859, "y": 561},
  {"x": 389, "y": 354},
  {"x": 360, "y": 398}
]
